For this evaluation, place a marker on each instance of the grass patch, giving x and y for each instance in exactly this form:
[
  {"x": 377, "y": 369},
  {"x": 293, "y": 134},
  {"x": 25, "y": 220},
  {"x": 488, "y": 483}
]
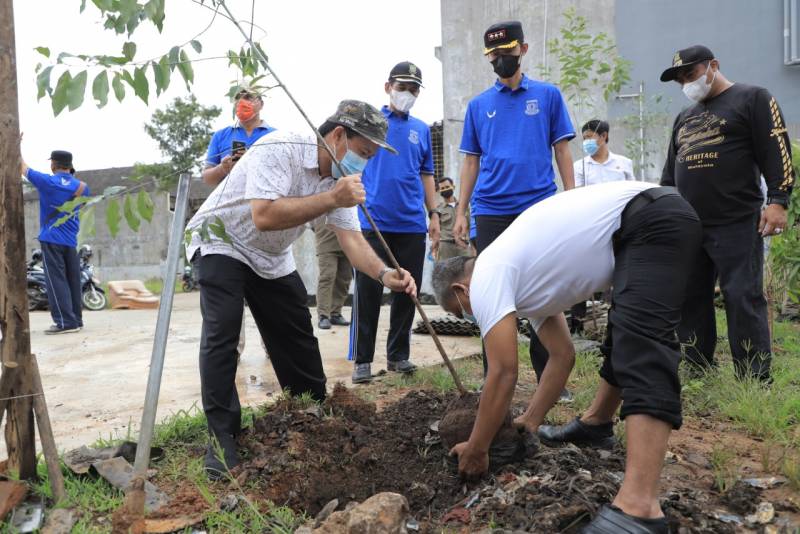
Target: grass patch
[
  {"x": 156, "y": 285},
  {"x": 437, "y": 377}
]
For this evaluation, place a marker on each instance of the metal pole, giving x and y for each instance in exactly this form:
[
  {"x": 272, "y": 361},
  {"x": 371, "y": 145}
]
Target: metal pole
[
  {"x": 162, "y": 330},
  {"x": 363, "y": 208},
  {"x": 641, "y": 130}
]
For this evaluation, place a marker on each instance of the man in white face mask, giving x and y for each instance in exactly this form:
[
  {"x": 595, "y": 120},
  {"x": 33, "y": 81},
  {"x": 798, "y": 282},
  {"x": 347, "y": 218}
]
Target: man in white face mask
[
  {"x": 720, "y": 146},
  {"x": 401, "y": 197}
]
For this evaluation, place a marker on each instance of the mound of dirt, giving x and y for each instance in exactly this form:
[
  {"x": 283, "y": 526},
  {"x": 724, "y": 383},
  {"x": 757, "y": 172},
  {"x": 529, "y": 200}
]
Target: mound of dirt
[{"x": 347, "y": 450}]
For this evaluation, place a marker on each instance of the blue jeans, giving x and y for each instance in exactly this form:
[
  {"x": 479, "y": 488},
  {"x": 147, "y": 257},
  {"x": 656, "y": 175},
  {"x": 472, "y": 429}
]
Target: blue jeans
[{"x": 62, "y": 272}]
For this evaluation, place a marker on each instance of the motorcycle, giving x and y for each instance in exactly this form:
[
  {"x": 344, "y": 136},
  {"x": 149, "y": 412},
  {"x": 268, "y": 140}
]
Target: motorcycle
[
  {"x": 188, "y": 281},
  {"x": 92, "y": 295}
]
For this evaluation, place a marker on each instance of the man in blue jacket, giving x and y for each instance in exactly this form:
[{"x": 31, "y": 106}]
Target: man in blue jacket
[
  {"x": 401, "y": 196},
  {"x": 61, "y": 266}
]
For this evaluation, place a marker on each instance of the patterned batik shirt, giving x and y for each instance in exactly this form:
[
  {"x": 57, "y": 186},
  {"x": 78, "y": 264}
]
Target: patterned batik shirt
[{"x": 279, "y": 165}]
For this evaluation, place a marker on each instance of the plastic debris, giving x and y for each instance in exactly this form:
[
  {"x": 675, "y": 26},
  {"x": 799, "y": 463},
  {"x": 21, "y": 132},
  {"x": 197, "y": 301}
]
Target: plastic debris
[
  {"x": 27, "y": 517},
  {"x": 765, "y": 513},
  {"x": 765, "y": 482}
]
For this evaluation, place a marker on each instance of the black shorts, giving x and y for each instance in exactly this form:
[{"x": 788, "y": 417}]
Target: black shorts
[{"x": 654, "y": 250}]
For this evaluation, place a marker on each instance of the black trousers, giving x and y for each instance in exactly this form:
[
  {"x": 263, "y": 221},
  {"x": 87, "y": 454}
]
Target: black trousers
[
  {"x": 488, "y": 228},
  {"x": 280, "y": 310},
  {"x": 409, "y": 250},
  {"x": 62, "y": 271},
  {"x": 654, "y": 252}
]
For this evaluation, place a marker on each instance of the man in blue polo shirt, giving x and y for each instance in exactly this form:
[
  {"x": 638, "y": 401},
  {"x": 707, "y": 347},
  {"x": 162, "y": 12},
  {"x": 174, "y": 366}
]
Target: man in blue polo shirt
[
  {"x": 511, "y": 131},
  {"x": 401, "y": 196},
  {"x": 248, "y": 129},
  {"x": 61, "y": 266}
]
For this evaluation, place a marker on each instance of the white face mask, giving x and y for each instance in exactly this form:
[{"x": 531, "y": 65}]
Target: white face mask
[
  {"x": 698, "y": 90},
  {"x": 402, "y": 100}
]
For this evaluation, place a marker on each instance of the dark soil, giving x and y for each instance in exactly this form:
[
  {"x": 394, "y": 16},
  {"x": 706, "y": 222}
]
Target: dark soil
[{"x": 346, "y": 450}]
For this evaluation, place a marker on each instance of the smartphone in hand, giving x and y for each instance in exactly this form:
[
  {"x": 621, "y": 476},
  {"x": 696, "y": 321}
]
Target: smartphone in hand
[{"x": 237, "y": 150}]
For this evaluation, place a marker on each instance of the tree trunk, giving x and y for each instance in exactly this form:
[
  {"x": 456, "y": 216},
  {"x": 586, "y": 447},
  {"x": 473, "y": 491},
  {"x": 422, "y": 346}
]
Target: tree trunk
[{"x": 15, "y": 346}]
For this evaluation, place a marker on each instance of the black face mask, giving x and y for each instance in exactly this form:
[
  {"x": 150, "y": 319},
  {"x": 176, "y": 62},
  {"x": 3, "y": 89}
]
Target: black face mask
[
  {"x": 505, "y": 66},
  {"x": 447, "y": 194}
]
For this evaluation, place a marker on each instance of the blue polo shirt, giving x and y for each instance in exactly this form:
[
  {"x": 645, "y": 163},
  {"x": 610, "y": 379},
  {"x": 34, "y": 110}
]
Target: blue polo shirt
[
  {"x": 54, "y": 190},
  {"x": 395, "y": 195},
  {"x": 513, "y": 133},
  {"x": 222, "y": 140}
]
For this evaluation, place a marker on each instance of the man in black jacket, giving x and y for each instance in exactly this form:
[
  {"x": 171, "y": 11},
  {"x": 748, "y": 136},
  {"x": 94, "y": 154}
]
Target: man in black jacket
[{"x": 720, "y": 147}]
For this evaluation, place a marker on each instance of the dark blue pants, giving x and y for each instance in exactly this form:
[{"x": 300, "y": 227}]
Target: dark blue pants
[{"x": 62, "y": 273}]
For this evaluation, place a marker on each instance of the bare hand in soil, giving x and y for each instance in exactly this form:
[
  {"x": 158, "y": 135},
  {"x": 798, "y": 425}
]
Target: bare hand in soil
[
  {"x": 522, "y": 422},
  {"x": 400, "y": 281},
  {"x": 472, "y": 464}
]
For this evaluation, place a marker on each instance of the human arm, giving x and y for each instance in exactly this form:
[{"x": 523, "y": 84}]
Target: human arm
[
  {"x": 469, "y": 175},
  {"x": 434, "y": 227},
  {"x": 214, "y": 174},
  {"x": 498, "y": 391},
  {"x": 668, "y": 173},
  {"x": 773, "y": 152},
  {"x": 554, "y": 335},
  {"x": 564, "y": 163},
  {"x": 364, "y": 259},
  {"x": 578, "y": 169},
  {"x": 288, "y": 212}
]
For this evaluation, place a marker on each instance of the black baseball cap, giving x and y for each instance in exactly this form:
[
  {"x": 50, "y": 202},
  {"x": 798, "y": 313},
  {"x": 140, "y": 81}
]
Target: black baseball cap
[
  {"x": 406, "y": 72},
  {"x": 62, "y": 158},
  {"x": 503, "y": 35},
  {"x": 363, "y": 119},
  {"x": 685, "y": 58}
]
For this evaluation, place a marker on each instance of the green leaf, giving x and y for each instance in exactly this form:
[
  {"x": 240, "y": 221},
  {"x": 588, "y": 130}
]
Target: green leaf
[
  {"x": 174, "y": 57},
  {"x": 140, "y": 84},
  {"x": 43, "y": 82},
  {"x": 113, "y": 216},
  {"x": 187, "y": 237},
  {"x": 204, "y": 237},
  {"x": 145, "y": 205},
  {"x": 63, "y": 55},
  {"x": 198, "y": 47},
  {"x": 119, "y": 89},
  {"x": 130, "y": 216},
  {"x": 70, "y": 205},
  {"x": 100, "y": 89},
  {"x": 83, "y": 5},
  {"x": 43, "y": 50},
  {"x": 88, "y": 226},
  {"x": 161, "y": 74},
  {"x": 103, "y": 5},
  {"x": 76, "y": 91},
  {"x": 218, "y": 229},
  {"x": 129, "y": 50},
  {"x": 60, "y": 94},
  {"x": 186, "y": 69},
  {"x": 61, "y": 220}
]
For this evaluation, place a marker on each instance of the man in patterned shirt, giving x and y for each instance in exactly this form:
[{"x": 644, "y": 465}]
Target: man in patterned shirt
[{"x": 283, "y": 181}]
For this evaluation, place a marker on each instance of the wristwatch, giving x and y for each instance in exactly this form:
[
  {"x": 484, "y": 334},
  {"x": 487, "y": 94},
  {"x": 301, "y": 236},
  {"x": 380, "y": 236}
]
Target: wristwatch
[
  {"x": 781, "y": 201},
  {"x": 382, "y": 273}
]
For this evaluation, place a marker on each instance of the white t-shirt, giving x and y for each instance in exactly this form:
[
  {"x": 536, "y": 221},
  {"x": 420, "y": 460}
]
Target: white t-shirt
[
  {"x": 280, "y": 164},
  {"x": 615, "y": 168},
  {"x": 556, "y": 253}
]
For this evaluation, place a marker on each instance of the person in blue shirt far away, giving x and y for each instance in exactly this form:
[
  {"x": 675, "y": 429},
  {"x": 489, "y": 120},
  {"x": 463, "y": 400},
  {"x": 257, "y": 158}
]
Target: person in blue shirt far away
[
  {"x": 61, "y": 266},
  {"x": 401, "y": 197},
  {"x": 511, "y": 132}
]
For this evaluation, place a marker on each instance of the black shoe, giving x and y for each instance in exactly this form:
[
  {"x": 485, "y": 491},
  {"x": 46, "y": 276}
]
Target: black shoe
[
  {"x": 54, "y": 330},
  {"x": 362, "y": 373},
  {"x": 338, "y": 320},
  {"x": 612, "y": 520},
  {"x": 579, "y": 433},
  {"x": 403, "y": 366},
  {"x": 324, "y": 323},
  {"x": 214, "y": 467}
]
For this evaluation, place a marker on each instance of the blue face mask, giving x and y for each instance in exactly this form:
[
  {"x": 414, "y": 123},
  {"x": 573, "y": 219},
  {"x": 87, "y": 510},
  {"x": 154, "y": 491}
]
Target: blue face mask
[
  {"x": 590, "y": 146},
  {"x": 464, "y": 315},
  {"x": 352, "y": 163}
]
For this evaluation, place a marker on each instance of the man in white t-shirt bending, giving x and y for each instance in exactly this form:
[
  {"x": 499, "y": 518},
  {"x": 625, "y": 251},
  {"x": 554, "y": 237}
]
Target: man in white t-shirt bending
[{"x": 638, "y": 238}]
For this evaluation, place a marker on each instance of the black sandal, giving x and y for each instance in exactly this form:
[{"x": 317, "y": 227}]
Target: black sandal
[{"x": 612, "y": 520}]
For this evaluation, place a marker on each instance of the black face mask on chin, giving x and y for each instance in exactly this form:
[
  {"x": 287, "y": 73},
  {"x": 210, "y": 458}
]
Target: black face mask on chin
[{"x": 505, "y": 66}]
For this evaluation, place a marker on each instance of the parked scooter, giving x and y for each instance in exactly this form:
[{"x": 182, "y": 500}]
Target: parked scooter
[
  {"x": 188, "y": 281},
  {"x": 92, "y": 295}
]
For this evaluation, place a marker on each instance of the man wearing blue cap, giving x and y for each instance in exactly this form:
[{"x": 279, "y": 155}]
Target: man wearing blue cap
[{"x": 61, "y": 266}]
